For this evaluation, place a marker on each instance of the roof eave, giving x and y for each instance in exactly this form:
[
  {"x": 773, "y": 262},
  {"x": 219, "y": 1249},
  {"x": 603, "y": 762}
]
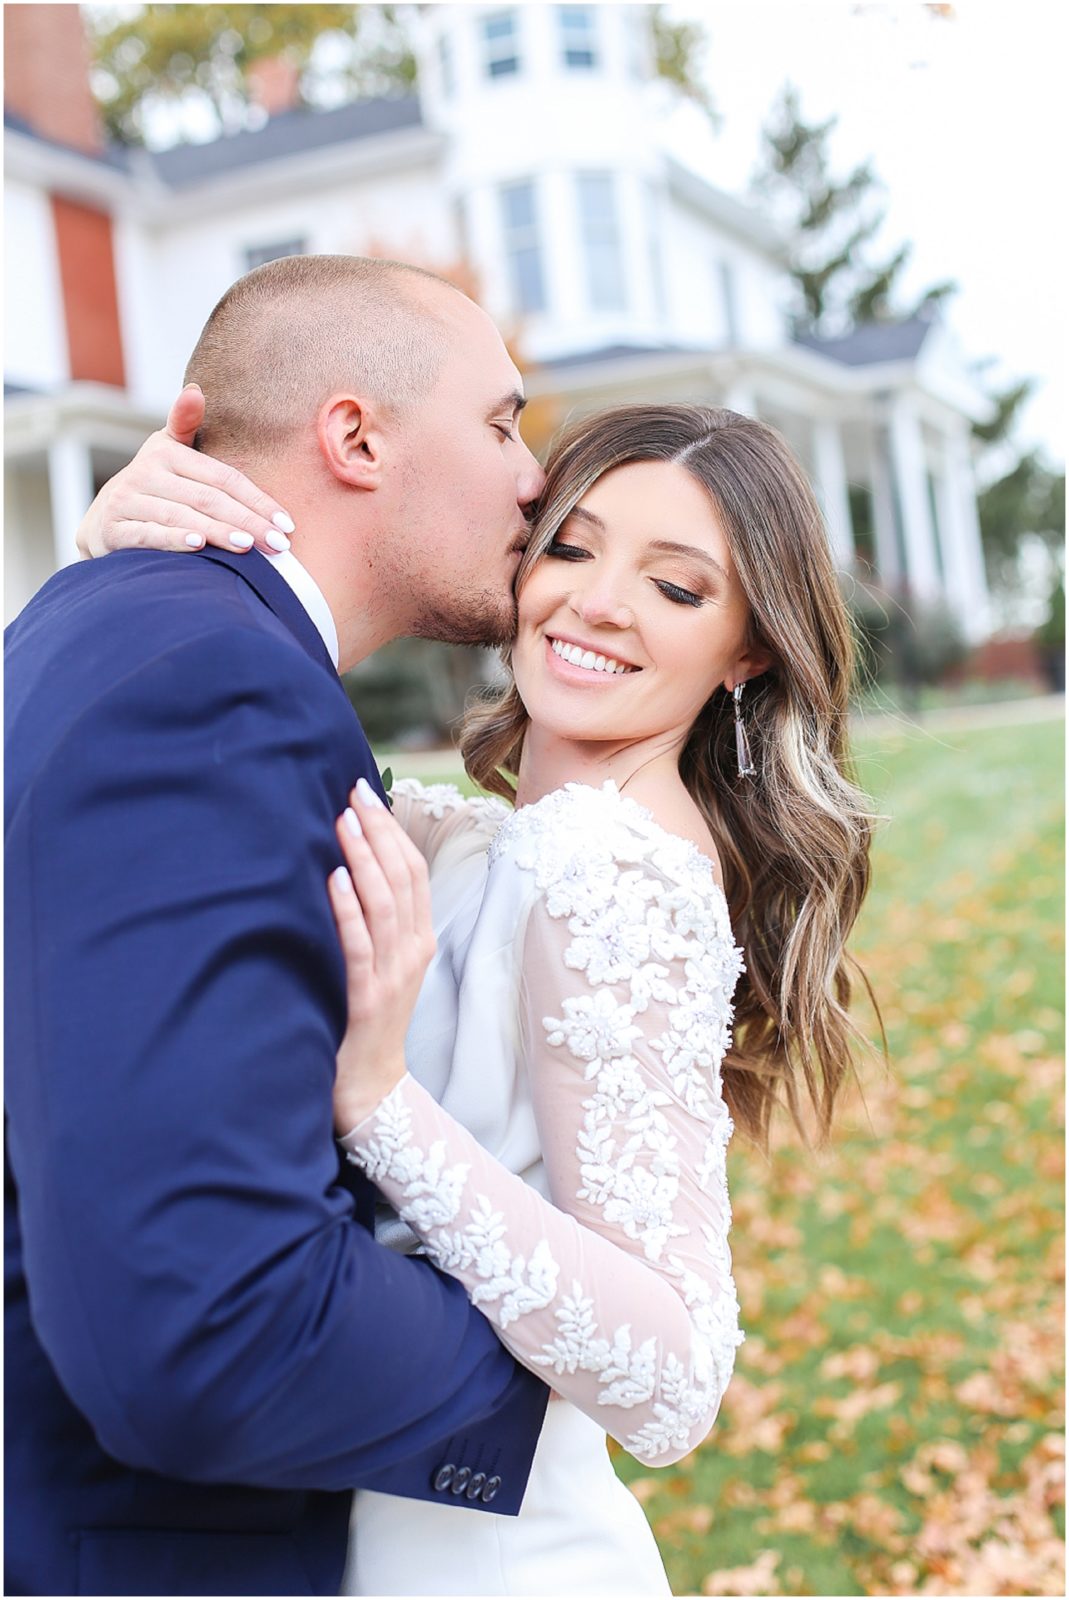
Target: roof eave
[
  {"x": 142, "y": 195},
  {"x": 732, "y": 215}
]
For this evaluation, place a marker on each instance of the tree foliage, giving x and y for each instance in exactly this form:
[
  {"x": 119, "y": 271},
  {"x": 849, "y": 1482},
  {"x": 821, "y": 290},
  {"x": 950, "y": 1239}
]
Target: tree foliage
[
  {"x": 186, "y": 55},
  {"x": 1007, "y": 403},
  {"x": 189, "y": 53},
  {"x": 679, "y": 50},
  {"x": 1027, "y": 501},
  {"x": 832, "y": 222}
]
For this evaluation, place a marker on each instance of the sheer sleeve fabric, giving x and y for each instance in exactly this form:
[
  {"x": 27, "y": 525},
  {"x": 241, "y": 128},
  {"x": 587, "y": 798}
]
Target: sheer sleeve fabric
[
  {"x": 437, "y": 815},
  {"x": 618, "y": 1291}
]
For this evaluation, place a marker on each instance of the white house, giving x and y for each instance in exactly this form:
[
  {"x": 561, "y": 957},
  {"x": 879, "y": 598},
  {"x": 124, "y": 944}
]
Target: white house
[{"x": 534, "y": 152}]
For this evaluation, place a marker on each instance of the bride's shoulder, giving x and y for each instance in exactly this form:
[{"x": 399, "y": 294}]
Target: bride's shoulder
[
  {"x": 441, "y": 800},
  {"x": 579, "y": 833}
]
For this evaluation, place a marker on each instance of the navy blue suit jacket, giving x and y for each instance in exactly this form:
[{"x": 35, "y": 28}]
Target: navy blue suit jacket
[{"x": 205, "y": 1348}]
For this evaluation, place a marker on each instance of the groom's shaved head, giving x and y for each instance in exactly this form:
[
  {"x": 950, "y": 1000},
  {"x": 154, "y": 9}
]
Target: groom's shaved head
[{"x": 295, "y": 331}]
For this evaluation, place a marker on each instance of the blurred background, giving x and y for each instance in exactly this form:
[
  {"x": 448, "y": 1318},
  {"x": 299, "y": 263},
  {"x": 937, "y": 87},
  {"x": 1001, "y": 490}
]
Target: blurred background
[
  {"x": 653, "y": 202},
  {"x": 838, "y": 217}
]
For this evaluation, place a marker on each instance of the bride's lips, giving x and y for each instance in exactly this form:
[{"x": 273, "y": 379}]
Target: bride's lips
[{"x": 586, "y": 676}]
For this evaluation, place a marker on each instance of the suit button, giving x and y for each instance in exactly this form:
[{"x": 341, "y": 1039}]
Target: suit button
[
  {"x": 492, "y": 1486},
  {"x": 460, "y": 1482},
  {"x": 475, "y": 1486},
  {"x": 444, "y": 1476}
]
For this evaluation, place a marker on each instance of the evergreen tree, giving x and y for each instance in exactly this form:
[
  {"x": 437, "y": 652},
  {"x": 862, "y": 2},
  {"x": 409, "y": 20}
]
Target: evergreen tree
[{"x": 831, "y": 222}]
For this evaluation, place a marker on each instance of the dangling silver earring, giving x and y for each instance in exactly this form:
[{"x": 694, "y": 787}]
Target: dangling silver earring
[{"x": 742, "y": 744}]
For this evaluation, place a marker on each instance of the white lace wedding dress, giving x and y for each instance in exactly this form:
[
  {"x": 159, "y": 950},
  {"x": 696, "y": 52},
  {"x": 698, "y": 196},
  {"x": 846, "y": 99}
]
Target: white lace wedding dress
[{"x": 559, "y": 1146}]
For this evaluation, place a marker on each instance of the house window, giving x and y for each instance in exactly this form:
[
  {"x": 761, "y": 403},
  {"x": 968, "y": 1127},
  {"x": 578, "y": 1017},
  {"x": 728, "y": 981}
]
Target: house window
[
  {"x": 460, "y": 227},
  {"x": 638, "y": 42},
  {"x": 578, "y": 35},
  {"x": 256, "y": 255},
  {"x": 446, "y": 70},
  {"x": 601, "y": 241},
  {"x": 655, "y": 222},
  {"x": 501, "y": 44},
  {"x": 522, "y": 248},
  {"x": 729, "y": 303}
]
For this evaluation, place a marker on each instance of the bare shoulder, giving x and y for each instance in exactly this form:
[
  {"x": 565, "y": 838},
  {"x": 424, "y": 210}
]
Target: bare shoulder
[{"x": 674, "y": 810}]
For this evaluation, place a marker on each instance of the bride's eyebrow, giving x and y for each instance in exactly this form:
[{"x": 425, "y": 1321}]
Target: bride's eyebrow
[
  {"x": 671, "y": 548},
  {"x": 580, "y": 514}
]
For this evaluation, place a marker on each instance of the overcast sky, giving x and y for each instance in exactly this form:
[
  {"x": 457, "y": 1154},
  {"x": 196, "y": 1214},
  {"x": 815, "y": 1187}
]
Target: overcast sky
[{"x": 964, "y": 121}]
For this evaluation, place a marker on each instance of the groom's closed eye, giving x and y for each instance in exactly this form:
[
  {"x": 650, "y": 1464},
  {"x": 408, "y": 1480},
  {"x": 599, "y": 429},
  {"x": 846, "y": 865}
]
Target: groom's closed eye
[{"x": 507, "y": 409}]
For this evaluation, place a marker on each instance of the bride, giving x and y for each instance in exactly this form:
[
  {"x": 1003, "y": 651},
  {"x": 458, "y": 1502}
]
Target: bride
[{"x": 643, "y": 951}]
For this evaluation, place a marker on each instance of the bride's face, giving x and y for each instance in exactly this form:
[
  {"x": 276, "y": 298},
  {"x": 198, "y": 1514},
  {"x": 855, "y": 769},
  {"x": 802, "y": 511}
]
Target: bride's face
[{"x": 639, "y": 589}]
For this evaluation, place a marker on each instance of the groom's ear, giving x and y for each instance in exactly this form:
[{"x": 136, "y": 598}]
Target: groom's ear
[{"x": 351, "y": 441}]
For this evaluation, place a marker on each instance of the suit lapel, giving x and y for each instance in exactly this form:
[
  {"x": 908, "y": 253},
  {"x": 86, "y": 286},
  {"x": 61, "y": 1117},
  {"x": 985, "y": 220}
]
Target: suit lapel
[{"x": 277, "y": 596}]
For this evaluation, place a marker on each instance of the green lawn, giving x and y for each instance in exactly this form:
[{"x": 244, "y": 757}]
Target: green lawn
[{"x": 895, "y": 1421}]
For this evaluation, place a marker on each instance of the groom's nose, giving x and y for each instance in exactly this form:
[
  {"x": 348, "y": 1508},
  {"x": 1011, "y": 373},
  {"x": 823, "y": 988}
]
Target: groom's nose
[{"x": 529, "y": 480}]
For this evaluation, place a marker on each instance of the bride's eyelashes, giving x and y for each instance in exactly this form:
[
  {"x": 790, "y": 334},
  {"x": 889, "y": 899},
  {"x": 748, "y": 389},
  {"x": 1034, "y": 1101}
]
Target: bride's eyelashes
[
  {"x": 682, "y": 597},
  {"x": 671, "y": 591}
]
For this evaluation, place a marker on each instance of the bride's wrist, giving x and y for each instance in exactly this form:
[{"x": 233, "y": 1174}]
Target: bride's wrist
[{"x": 353, "y": 1105}]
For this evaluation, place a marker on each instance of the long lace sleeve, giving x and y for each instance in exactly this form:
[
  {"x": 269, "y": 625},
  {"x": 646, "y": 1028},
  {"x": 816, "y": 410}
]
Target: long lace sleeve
[
  {"x": 619, "y": 1292},
  {"x": 437, "y": 814}
]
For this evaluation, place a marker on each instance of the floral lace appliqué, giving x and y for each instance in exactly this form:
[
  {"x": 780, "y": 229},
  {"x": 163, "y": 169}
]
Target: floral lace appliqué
[{"x": 647, "y": 937}]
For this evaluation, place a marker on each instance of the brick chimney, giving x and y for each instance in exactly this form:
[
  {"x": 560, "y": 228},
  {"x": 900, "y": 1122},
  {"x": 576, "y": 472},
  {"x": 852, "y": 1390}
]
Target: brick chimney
[
  {"x": 274, "y": 84},
  {"x": 46, "y": 75}
]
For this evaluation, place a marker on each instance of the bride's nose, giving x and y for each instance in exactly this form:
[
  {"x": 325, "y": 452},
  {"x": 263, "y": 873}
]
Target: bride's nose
[{"x": 601, "y": 601}]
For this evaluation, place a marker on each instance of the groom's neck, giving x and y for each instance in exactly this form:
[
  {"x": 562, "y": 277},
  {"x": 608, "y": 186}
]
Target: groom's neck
[{"x": 354, "y": 587}]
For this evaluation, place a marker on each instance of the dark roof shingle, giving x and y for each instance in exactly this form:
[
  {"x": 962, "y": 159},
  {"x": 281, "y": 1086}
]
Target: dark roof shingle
[
  {"x": 289, "y": 134},
  {"x": 873, "y": 342}
]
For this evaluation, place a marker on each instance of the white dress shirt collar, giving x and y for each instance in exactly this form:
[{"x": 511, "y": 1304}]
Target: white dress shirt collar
[{"x": 311, "y": 597}]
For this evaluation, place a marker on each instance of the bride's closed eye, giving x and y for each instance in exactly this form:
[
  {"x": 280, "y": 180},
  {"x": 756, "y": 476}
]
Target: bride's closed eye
[{"x": 671, "y": 591}]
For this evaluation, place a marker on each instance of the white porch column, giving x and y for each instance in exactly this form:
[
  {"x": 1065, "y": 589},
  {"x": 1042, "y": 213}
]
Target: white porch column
[
  {"x": 70, "y": 484},
  {"x": 967, "y": 591},
  {"x": 910, "y": 473},
  {"x": 830, "y": 468}
]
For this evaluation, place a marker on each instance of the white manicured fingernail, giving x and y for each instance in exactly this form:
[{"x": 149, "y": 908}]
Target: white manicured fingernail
[
  {"x": 367, "y": 794},
  {"x": 342, "y": 880},
  {"x": 194, "y": 540},
  {"x": 281, "y": 520},
  {"x": 277, "y": 541},
  {"x": 242, "y": 541},
  {"x": 352, "y": 822}
]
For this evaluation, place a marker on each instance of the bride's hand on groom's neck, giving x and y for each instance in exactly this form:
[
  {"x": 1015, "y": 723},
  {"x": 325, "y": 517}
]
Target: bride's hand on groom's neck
[{"x": 172, "y": 497}]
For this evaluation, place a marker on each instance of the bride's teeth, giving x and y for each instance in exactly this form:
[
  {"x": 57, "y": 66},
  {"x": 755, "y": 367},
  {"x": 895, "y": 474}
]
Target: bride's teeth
[{"x": 586, "y": 658}]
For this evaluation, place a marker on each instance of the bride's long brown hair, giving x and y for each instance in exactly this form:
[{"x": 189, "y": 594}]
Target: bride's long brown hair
[{"x": 793, "y": 840}]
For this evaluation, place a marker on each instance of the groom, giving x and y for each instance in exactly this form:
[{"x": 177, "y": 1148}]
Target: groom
[{"x": 206, "y": 1349}]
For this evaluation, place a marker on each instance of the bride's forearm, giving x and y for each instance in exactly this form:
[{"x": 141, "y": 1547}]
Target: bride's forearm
[{"x": 588, "y": 1314}]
